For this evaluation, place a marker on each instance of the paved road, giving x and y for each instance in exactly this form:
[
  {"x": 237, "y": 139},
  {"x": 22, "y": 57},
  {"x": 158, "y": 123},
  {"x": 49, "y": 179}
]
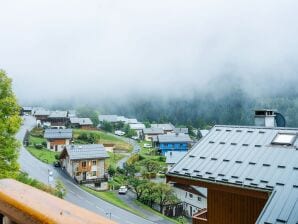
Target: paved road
[{"x": 76, "y": 195}]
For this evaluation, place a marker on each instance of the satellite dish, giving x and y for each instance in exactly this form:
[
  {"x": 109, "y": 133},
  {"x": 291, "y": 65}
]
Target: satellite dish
[{"x": 280, "y": 120}]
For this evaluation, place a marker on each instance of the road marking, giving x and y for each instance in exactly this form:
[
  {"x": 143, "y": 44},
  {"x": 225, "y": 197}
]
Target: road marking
[{"x": 101, "y": 209}]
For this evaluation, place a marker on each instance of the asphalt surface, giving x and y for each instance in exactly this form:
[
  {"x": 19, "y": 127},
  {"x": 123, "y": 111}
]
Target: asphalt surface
[{"x": 38, "y": 170}]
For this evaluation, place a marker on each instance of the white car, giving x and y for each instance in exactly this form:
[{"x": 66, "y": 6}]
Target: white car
[
  {"x": 135, "y": 137},
  {"x": 122, "y": 190},
  {"x": 120, "y": 133},
  {"x": 147, "y": 145}
]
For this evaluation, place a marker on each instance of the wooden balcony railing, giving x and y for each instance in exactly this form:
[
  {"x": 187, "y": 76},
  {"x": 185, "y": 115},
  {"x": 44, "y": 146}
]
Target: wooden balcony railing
[
  {"x": 22, "y": 204},
  {"x": 200, "y": 217}
]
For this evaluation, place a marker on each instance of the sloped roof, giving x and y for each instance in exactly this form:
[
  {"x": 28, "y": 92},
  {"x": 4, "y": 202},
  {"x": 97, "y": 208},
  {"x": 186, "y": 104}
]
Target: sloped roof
[
  {"x": 168, "y": 138},
  {"x": 42, "y": 112},
  {"x": 81, "y": 121},
  {"x": 173, "y": 157},
  {"x": 92, "y": 151},
  {"x": 138, "y": 126},
  {"x": 58, "y": 134},
  {"x": 204, "y": 132},
  {"x": 165, "y": 127},
  {"x": 244, "y": 157},
  {"x": 132, "y": 121},
  {"x": 148, "y": 131},
  {"x": 58, "y": 114},
  {"x": 181, "y": 130},
  {"x": 108, "y": 118}
]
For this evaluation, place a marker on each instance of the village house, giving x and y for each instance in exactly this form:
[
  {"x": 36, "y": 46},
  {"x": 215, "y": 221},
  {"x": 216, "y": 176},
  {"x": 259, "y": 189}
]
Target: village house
[
  {"x": 149, "y": 133},
  {"x": 83, "y": 123},
  {"x": 180, "y": 130},
  {"x": 58, "y": 118},
  {"x": 41, "y": 115},
  {"x": 173, "y": 142},
  {"x": 167, "y": 128},
  {"x": 250, "y": 172},
  {"x": 193, "y": 198},
  {"x": 138, "y": 127},
  {"x": 86, "y": 164},
  {"x": 27, "y": 111},
  {"x": 57, "y": 138},
  {"x": 108, "y": 118}
]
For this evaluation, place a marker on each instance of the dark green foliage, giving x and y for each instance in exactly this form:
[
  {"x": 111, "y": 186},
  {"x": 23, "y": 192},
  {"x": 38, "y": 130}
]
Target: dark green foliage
[
  {"x": 38, "y": 146},
  {"x": 10, "y": 122},
  {"x": 107, "y": 126},
  {"x": 87, "y": 138},
  {"x": 44, "y": 144},
  {"x": 111, "y": 171}
]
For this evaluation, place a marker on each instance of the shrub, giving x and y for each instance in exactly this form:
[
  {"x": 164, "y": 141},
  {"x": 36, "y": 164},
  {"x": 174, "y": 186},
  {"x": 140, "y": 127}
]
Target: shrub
[
  {"x": 44, "y": 144},
  {"x": 38, "y": 146},
  {"x": 162, "y": 158}
]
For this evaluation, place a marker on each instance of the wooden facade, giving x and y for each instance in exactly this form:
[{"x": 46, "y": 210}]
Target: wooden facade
[{"x": 227, "y": 204}]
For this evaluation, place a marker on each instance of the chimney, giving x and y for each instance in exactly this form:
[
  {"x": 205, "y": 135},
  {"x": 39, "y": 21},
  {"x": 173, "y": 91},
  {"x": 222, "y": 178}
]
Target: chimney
[{"x": 265, "y": 117}]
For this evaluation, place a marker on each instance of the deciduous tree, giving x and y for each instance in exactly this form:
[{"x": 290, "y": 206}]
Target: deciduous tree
[{"x": 10, "y": 122}]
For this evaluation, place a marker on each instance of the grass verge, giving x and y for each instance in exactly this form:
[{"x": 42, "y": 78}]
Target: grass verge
[
  {"x": 43, "y": 155},
  {"x": 145, "y": 207},
  {"x": 111, "y": 197}
]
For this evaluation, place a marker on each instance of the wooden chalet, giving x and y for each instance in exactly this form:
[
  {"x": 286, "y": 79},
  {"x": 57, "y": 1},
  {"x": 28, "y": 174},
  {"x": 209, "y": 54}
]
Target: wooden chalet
[{"x": 251, "y": 175}]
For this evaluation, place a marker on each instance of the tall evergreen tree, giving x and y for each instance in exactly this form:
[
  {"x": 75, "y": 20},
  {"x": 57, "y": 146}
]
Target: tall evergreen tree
[{"x": 10, "y": 122}]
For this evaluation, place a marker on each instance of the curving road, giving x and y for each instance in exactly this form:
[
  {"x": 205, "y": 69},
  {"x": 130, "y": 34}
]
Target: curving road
[{"x": 38, "y": 170}]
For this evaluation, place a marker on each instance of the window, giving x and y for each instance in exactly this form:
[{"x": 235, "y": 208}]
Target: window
[
  {"x": 199, "y": 199},
  {"x": 84, "y": 164},
  {"x": 284, "y": 139},
  {"x": 190, "y": 195},
  {"x": 78, "y": 173},
  {"x": 93, "y": 173},
  {"x": 94, "y": 162}
]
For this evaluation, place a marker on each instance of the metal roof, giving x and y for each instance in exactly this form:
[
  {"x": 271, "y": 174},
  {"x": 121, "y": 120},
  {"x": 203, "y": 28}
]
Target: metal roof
[
  {"x": 165, "y": 127},
  {"x": 148, "y": 131},
  {"x": 173, "y": 157},
  {"x": 58, "y": 114},
  {"x": 181, "y": 130},
  {"x": 108, "y": 118},
  {"x": 58, "y": 134},
  {"x": 42, "y": 112},
  {"x": 138, "y": 126},
  {"x": 92, "y": 151},
  {"x": 81, "y": 121},
  {"x": 168, "y": 138},
  {"x": 244, "y": 157}
]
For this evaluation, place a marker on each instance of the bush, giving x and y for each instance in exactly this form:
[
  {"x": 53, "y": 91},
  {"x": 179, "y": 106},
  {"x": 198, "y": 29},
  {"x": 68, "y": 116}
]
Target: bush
[
  {"x": 162, "y": 158},
  {"x": 44, "y": 144},
  {"x": 57, "y": 156},
  {"x": 114, "y": 185},
  {"x": 38, "y": 146},
  {"x": 134, "y": 158}
]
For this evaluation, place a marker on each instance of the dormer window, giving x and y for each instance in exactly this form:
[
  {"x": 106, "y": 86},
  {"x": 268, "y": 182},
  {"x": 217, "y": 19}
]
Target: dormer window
[{"x": 284, "y": 139}]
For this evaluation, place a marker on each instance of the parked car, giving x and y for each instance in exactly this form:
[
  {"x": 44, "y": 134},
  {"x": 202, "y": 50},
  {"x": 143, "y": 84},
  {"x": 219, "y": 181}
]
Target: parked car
[
  {"x": 147, "y": 145},
  {"x": 120, "y": 133},
  {"x": 122, "y": 190}
]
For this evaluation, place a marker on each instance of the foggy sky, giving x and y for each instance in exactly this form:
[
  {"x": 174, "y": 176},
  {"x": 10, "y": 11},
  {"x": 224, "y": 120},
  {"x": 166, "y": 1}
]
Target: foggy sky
[{"x": 102, "y": 49}]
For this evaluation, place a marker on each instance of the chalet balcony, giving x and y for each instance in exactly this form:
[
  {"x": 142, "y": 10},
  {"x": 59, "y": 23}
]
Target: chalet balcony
[
  {"x": 200, "y": 217},
  {"x": 22, "y": 204},
  {"x": 91, "y": 181}
]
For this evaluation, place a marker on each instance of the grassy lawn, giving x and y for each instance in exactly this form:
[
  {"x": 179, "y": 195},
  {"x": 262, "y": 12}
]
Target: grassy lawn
[
  {"x": 44, "y": 155},
  {"x": 114, "y": 158},
  {"x": 104, "y": 138},
  {"x": 112, "y": 198}
]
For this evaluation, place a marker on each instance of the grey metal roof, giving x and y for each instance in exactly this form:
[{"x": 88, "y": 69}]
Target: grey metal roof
[
  {"x": 58, "y": 134},
  {"x": 27, "y": 108},
  {"x": 58, "y": 114},
  {"x": 132, "y": 121},
  {"x": 42, "y": 112},
  {"x": 138, "y": 126},
  {"x": 156, "y": 131},
  {"x": 204, "y": 132},
  {"x": 81, "y": 121},
  {"x": 245, "y": 157},
  {"x": 168, "y": 138},
  {"x": 92, "y": 151},
  {"x": 173, "y": 157},
  {"x": 181, "y": 130},
  {"x": 108, "y": 118},
  {"x": 165, "y": 127}
]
